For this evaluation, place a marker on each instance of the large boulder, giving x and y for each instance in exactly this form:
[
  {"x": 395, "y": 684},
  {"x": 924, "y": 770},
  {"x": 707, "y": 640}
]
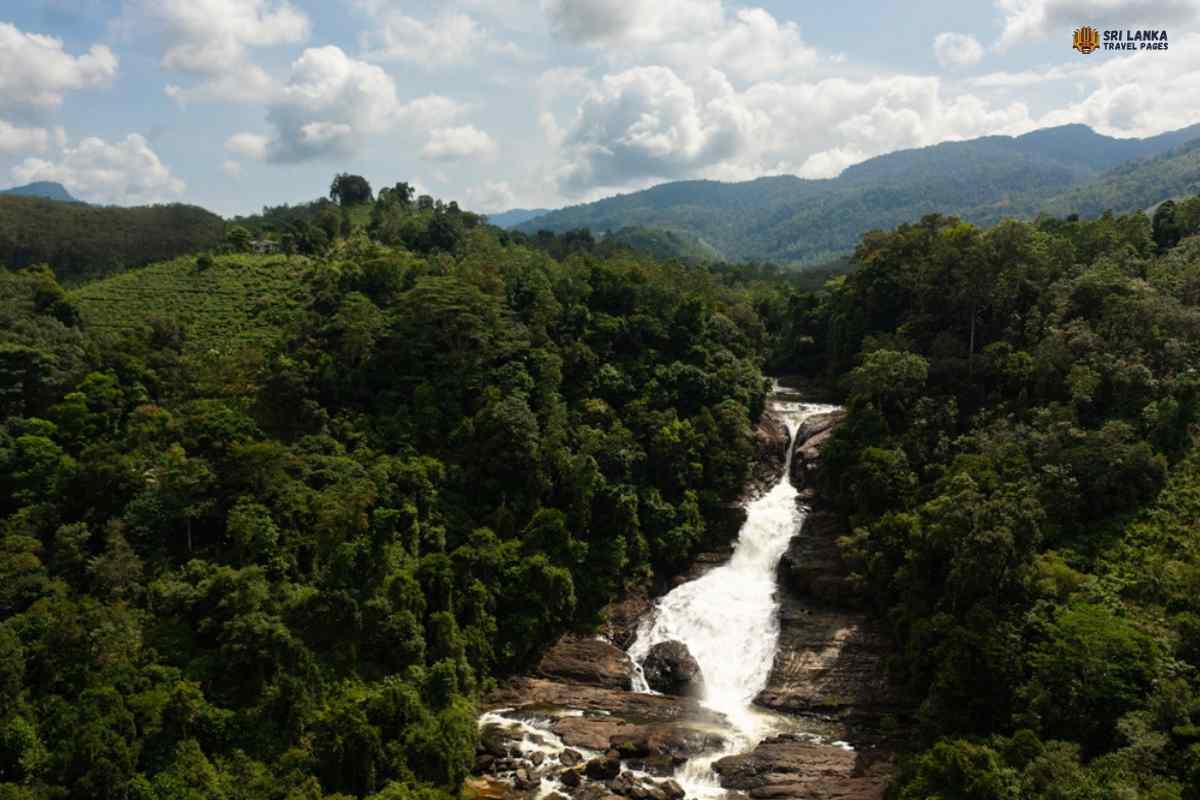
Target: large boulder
[
  {"x": 603, "y": 768},
  {"x": 500, "y": 741},
  {"x": 594, "y": 662},
  {"x": 670, "y": 668}
]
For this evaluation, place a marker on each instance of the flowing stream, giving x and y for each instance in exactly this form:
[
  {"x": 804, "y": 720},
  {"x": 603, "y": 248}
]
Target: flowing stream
[{"x": 728, "y": 617}]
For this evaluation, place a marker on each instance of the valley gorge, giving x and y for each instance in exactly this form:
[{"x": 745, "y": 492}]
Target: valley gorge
[{"x": 785, "y": 692}]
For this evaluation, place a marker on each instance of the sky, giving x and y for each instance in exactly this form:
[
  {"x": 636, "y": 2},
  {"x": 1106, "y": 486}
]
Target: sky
[{"x": 237, "y": 104}]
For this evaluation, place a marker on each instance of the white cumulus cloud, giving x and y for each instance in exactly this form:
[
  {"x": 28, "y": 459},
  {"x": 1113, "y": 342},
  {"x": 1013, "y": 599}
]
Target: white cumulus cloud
[
  {"x": 464, "y": 141},
  {"x": 607, "y": 22},
  {"x": 957, "y": 49},
  {"x": 212, "y": 40},
  {"x": 452, "y": 38},
  {"x": 36, "y": 71},
  {"x": 17, "y": 140},
  {"x": 648, "y": 122},
  {"x": 211, "y": 37},
  {"x": 1136, "y": 95},
  {"x": 1030, "y": 20},
  {"x": 330, "y": 104},
  {"x": 651, "y": 124},
  {"x": 491, "y": 197},
  {"x": 125, "y": 172},
  {"x": 250, "y": 145}
]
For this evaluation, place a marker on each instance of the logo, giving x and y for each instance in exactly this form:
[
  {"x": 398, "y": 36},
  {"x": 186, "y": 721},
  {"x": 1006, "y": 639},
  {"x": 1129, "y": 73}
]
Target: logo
[{"x": 1086, "y": 40}]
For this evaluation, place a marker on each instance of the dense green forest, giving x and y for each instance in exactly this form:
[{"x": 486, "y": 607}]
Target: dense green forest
[
  {"x": 1134, "y": 186},
  {"x": 269, "y": 524},
  {"x": 285, "y": 570},
  {"x": 1019, "y": 472},
  {"x": 786, "y": 219},
  {"x": 80, "y": 241}
]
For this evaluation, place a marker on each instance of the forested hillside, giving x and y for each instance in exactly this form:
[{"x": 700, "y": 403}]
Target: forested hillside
[
  {"x": 82, "y": 242},
  {"x": 270, "y": 524},
  {"x": 789, "y": 220},
  {"x": 1019, "y": 472},
  {"x": 229, "y": 302},
  {"x": 1134, "y": 186},
  {"x": 283, "y": 567}
]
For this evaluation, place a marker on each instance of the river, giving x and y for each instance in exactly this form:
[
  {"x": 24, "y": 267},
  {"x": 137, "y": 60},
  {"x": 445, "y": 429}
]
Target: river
[{"x": 728, "y": 618}]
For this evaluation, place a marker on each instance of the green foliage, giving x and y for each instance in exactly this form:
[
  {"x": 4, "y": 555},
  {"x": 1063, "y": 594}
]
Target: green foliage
[
  {"x": 350, "y": 190},
  {"x": 1017, "y": 467},
  {"x": 82, "y": 242},
  {"x": 237, "y": 302},
  {"x": 268, "y": 526}
]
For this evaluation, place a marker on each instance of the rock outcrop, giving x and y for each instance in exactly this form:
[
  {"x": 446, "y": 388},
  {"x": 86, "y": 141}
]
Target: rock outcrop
[
  {"x": 621, "y": 617},
  {"x": 811, "y": 437},
  {"x": 620, "y": 732},
  {"x": 812, "y": 568},
  {"x": 771, "y": 443},
  {"x": 589, "y": 661},
  {"x": 790, "y": 766},
  {"x": 830, "y": 662},
  {"x": 598, "y": 703},
  {"x": 831, "y": 658},
  {"x": 670, "y": 668}
]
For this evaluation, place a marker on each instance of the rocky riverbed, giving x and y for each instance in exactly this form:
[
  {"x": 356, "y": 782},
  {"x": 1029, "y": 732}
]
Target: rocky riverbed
[{"x": 574, "y": 729}]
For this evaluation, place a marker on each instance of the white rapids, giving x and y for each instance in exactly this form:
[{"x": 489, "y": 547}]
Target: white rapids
[{"x": 728, "y": 618}]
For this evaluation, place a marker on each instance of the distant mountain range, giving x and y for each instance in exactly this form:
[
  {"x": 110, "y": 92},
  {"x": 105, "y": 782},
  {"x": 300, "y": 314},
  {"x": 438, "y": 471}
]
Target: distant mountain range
[
  {"x": 786, "y": 219},
  {"x": 44, "y": 189},
  {"x": 513, "y": 218}
]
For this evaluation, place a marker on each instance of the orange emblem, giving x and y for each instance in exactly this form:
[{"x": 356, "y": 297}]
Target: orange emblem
[{"x": 1086, "y": 40}]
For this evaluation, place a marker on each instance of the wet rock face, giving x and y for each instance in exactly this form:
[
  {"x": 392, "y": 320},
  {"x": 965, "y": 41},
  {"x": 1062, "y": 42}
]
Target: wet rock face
[
  {"x": 811, "y": 437},
  {"x": 670, "y": 668},
  {"x": 831, "y": 657},
  {"x": 771, "y": 442},
  {"x": 593, "y": 662},
  {"x": 622, "y": 617},
  {"x": 830, "y": 662},
  {"x": 794, "y": 766},
  {"x": 812, "y": 566},
  {"x": 498, "y": 742}
]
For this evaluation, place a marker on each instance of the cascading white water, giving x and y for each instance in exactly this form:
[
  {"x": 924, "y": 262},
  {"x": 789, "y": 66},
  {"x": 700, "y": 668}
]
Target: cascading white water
[{"x": 728, "y": 617}]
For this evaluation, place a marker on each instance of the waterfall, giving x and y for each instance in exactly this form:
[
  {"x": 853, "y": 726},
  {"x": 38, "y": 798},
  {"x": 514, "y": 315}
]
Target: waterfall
[{"x": 728, "y": 617}]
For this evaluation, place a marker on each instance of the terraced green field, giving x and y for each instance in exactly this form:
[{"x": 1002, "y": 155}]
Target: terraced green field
[{"x": 240, "y": 300}]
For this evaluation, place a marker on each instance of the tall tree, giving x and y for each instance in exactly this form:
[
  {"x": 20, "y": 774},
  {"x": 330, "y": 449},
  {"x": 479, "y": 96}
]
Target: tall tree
[{"x": 350, "y": 190}]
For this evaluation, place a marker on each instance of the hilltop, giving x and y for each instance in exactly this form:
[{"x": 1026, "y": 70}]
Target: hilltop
[
  {"x": 81, "y": 241},
  {"x": 47, "y": 190}
]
